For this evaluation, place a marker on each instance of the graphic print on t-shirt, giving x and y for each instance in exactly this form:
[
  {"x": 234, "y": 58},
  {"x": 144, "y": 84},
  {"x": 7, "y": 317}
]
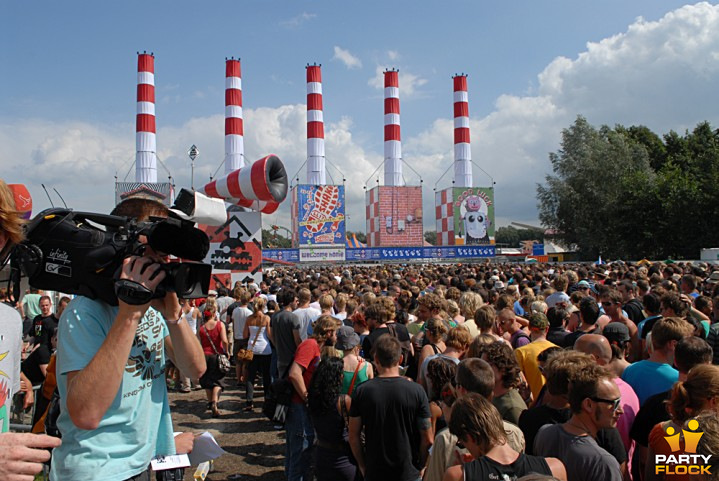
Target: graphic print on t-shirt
[{"x": 145, "y": 359}]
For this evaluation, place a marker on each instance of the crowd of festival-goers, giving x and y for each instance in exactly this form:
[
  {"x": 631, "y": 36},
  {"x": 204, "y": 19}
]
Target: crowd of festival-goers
[{"x": 399, "y": 372}]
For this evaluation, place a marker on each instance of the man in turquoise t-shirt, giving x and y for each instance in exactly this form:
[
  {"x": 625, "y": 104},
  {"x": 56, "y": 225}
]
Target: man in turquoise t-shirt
[
  {"x": 656, "y": 374},
  {"x": 115, "y": 415}
]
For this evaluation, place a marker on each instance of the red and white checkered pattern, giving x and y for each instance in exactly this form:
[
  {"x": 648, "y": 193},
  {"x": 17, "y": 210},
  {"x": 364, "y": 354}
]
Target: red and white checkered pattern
[
  {"x": 444, "y": 215},
  {"x": 372, "y": 216},
  {"x": 145, "y": 141}
]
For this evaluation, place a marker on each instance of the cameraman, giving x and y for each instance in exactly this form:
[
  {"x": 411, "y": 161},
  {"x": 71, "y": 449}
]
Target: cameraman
[
  {"x": 21, "y": 455},
  {"x": 115, "y": 415}
]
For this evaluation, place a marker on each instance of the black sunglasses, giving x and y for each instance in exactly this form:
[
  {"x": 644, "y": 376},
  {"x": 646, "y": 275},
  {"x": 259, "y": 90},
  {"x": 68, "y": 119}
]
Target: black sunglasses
[{"x": 614, "y": 402}]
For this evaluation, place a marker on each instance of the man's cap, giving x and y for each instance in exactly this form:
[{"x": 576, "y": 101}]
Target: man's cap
[
  {"x": 212, "y": 292},
  {"x": 713, "y": 278},
  {"x": 616, "y": 332},
  {"x": 583, "y": 285},
  {"x": 347, "y": 338},
  {"x": 538, "y": 321},
  {"x": 556, "y": 298},
  {"x": 499, "y": 285},
  {"x": 494, "y": 278}
]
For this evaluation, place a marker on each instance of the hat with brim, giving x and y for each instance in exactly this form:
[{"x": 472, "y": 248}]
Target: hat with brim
[{"x": 347, "y": 339}]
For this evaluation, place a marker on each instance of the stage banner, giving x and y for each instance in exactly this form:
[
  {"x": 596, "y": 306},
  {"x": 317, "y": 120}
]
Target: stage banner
[
  {"x": 409, "y": 253},
  {"x": 322, "y": 254},
  {"x": 320, "y": 215},
  {"x": 473, "y": 215},
  {"x": 286, "y": 255},
  {"x": 235, "y": 249}
]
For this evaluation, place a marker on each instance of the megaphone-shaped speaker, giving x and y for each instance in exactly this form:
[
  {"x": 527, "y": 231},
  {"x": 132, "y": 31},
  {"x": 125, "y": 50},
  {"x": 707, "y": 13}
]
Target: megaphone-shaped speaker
[{"x": 260, "y": 186}]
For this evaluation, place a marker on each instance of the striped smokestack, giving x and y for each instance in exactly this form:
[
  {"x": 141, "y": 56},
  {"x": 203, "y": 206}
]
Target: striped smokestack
[
  {"x": 234, "y": 129},
  {"x": 315, "y": 127},
  {"x": 392, "y": 138},
  {"x": 462, "y": 147},
  {"x": 145, "y": 142}
]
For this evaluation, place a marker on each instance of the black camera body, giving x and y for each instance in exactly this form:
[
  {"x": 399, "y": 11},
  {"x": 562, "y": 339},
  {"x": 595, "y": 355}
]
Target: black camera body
[{"x": 67, "y": 251}]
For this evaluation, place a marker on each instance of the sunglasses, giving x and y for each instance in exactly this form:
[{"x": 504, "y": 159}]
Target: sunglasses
[{"x": 613, "y": 402}]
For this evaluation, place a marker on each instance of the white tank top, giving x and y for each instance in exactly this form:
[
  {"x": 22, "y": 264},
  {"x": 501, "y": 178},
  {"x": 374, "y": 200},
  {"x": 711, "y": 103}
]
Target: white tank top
[
  {"x": 262, "y": 346},
  {"x": 192, "y": 322}
]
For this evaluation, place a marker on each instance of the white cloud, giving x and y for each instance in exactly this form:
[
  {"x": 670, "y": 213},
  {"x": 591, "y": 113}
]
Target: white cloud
[
  {"x": 344, "y": 56},
  {"x": 295, "y": 22},
  {"x": 393, "y": 55},
  {"x": 662, "y": 74},
  {"x": 409, "y": 83}
]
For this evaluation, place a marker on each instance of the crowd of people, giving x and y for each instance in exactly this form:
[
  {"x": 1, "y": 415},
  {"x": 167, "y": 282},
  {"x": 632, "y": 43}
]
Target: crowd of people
[{"x": 477, "y": 371}]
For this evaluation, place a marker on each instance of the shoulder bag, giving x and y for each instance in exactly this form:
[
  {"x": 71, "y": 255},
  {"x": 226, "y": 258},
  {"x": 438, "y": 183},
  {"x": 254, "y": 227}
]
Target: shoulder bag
[
  {"x": 223, "y": 362},
  {"x": 246, "y": 355}
]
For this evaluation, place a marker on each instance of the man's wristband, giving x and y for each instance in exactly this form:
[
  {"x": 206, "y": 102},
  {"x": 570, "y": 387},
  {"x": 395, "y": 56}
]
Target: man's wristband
[{"x": 174, "y": 323}]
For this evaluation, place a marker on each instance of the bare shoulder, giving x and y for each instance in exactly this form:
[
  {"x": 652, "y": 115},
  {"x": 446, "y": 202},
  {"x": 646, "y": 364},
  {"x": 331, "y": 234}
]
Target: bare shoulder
[
  {"x": 557, "y": 468},
  {"x": 454, "y": 473}
]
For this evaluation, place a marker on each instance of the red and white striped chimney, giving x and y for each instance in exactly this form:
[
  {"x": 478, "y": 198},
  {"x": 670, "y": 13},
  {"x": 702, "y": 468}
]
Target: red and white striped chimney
[
  {"x": 462, "y": 147},
  {"x": 234, "y": 128},
  {"x": 145, "y": 142},
  {"x": 315, "y": 127},
  {"x": 392, "y": 138}
]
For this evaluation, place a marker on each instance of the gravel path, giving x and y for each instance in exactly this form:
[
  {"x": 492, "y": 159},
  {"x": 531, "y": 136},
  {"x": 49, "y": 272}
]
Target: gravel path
[{"x": 255, "y": 450}]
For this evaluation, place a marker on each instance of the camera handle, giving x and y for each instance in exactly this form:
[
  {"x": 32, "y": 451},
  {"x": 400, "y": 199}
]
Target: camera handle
[{"x": 131, "y": 292}]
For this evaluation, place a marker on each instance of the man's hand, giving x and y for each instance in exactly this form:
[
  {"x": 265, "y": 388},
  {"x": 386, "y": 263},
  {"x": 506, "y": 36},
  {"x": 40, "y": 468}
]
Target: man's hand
[
  {"x": 144, "y": 271},
  {"x": 168, "y": 306},
  {"x": 22, "y": 454},
  {"x": 184, "y": 443}
]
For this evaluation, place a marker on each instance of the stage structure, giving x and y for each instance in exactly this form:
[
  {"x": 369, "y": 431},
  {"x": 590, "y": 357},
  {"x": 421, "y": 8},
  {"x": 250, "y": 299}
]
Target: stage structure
[
  {"x": 393, "y": 210},
  {"x": 317, "y": 208},
  {"x": 146, "y": 184},
  {"x": 464, "y": 213},
  {"x": 249, "y": 190}
]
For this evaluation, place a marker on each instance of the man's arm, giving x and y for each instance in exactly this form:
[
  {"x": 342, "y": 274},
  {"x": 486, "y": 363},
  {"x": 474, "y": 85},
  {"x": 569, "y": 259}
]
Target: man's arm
[
  {"x": 355, "y": 440},
  {"x": 29, "y": 393},
  {"x": 296, "y": 335},
  {"x": 91, "y": 390},
  {"x": 426, "y": 438},
  {"x": 185, "y": 350},
  {"x": 298, "y": 382}
]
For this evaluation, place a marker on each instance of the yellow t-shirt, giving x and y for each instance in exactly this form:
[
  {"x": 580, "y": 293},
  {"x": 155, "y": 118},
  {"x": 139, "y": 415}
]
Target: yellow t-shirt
[{"x": 527, "y": 359}]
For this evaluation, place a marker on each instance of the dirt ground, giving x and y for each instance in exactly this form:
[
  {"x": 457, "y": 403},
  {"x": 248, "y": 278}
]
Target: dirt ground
[{"x": 255, "y": 450}]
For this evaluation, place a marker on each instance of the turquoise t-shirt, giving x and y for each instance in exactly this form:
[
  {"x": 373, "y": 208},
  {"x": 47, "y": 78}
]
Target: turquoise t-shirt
[
  {"x": 648, "y": 378},
  {"x": 137, "y": 426}
]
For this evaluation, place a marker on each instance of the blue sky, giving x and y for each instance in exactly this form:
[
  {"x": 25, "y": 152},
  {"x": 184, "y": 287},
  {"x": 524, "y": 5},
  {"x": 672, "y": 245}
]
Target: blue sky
[{"x": 67, "y": 93}]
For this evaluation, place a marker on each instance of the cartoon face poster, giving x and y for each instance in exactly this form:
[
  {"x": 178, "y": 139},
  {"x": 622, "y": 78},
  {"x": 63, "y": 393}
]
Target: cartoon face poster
[
  {"x": 474, "y": 216},
  {"x": 321, "y": 214}
]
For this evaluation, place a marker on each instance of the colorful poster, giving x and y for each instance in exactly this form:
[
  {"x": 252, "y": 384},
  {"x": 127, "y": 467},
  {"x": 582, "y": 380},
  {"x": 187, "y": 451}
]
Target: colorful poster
[
  {"x": 235, "y": 249},
  {"x": 473, "y": 216},
  {"x": 320, "y": 215}
]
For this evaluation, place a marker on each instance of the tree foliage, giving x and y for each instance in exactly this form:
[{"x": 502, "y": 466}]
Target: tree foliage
[
  {"x": 271, "y": 239},
  {"x": 628, "y": 193},
  {"x": 511, "y": 236},
  {"x": 431, "y": 237}
]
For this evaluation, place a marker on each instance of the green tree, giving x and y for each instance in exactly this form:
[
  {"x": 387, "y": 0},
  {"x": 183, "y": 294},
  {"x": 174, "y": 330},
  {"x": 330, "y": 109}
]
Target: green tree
[
  {"x": 628, "y": 193},
  {"x": 431, "y": 237},
  {"x": 272, "y": 240}
]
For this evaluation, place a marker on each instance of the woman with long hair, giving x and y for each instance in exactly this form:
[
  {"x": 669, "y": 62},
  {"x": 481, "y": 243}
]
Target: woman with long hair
[
  {"x": 699, "y": 393},
  {"x": 435, "y": 330},
  {"x": 213, "y": 337},
  {"x": 329, "y": 411},
  {"x": 258, "y": 333}
]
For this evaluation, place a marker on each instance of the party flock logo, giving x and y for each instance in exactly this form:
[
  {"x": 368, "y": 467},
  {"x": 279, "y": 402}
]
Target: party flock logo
[{"x": 685, "y": 461}]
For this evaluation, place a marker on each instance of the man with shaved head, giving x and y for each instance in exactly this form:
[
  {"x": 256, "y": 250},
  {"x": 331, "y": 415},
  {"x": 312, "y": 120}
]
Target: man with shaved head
[{"x": 599, "y": 348}]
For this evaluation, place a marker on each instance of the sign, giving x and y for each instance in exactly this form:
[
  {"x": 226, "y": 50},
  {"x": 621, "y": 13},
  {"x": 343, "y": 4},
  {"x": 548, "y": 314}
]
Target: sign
[
  {"x": 287, "y": 255},
  {"x": 473, "y": 209},
  {"x": 537, "y": 249},
  {"x": 322, "y": 254},
  {"x": 320, "y": 215},
  {"x": 235, "y": 249},
  {"x": 369, "y": 254}
]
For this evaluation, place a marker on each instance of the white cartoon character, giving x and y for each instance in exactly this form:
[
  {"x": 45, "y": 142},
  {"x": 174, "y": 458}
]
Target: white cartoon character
[{"x": 474, "y": 213}]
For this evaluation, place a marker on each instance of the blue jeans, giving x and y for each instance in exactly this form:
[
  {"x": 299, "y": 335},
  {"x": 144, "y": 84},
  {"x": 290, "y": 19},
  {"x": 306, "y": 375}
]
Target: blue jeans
[{"x": 300, "y": 438}]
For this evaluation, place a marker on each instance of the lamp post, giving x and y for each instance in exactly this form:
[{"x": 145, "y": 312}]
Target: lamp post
[{"x": 193, "y": 153}]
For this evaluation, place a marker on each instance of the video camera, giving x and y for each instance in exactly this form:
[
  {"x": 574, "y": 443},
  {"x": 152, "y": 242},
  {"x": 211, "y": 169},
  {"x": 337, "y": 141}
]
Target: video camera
[{"x": 68, "y": 251}]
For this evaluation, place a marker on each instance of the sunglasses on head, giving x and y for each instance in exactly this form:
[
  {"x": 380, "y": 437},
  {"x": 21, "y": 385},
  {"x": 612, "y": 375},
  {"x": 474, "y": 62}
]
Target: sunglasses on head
[{"x": 613, "y": 402}]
